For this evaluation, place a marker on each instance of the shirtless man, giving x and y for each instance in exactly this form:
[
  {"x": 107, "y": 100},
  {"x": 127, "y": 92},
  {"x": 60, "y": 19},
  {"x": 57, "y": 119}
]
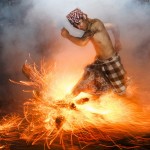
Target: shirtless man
[{"x": 107, "y": 58}]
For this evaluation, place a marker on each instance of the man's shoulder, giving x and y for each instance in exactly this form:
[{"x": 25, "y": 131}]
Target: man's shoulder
[
  {"x": 96, "y": 23},
  {"x": 93, "y": 21}
]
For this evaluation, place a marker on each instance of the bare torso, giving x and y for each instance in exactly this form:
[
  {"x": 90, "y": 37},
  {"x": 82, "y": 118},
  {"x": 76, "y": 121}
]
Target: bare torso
[{"x": 100, "y": 39}]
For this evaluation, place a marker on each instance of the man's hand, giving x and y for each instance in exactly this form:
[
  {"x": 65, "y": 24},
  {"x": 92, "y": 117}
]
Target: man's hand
[
  {"x": 64, "y": 32},
  {"x": 117, "y": 45}
]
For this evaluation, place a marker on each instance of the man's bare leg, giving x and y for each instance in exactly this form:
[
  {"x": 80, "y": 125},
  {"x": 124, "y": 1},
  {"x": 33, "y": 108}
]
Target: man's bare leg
[{"x": 76, "y": 91}]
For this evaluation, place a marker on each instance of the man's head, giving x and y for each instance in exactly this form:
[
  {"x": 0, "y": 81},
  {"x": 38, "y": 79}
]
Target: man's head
[{"x": 78, "y": 19}]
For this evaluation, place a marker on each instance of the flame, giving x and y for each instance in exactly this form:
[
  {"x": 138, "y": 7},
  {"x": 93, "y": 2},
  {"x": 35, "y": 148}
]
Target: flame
[
  {"x": 9, "y": 130},
  {"x": 50, "y": 114}
]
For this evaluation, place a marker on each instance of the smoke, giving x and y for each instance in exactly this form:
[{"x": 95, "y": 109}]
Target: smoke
[
  {"x": 33, "y": 27},
  {"x": 24, "y": 35}
]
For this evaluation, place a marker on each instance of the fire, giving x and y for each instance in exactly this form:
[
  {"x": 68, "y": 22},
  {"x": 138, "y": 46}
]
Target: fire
[
  {"x": 9, "y": 130},
  {"x": 50, "y": 114}
]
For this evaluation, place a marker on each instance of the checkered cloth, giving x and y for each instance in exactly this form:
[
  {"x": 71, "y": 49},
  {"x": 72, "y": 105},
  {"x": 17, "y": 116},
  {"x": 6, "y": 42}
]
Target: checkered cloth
[
  {"x": 114, "y": 72},
  {"x": 92, "y": 81},
  {"x": 101, "y": 76},
  {"x": 74, "y": 16}
]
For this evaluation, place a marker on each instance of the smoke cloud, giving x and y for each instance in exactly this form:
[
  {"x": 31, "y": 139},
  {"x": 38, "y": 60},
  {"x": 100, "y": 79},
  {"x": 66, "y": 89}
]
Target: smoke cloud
[{"x": 33, "y": 27}]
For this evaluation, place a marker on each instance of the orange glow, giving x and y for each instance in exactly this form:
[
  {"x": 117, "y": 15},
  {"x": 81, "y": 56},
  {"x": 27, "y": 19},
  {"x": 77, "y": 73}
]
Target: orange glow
[
  {"x": 50, "y": 113},
  {"x": 9, "y": 130}
]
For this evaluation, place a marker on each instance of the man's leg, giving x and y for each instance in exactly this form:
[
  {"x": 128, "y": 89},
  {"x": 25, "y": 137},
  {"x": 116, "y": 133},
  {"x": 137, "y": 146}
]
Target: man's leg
[{"x": 80, "y": 86}]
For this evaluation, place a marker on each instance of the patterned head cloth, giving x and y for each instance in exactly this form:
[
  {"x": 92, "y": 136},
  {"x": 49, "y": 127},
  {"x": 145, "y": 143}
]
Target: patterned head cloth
[{"x": 75, "y": 15}]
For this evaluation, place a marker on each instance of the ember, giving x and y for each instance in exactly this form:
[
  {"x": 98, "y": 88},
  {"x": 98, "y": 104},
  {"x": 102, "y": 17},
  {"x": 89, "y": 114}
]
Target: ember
[{"x": 46, "y": 118}]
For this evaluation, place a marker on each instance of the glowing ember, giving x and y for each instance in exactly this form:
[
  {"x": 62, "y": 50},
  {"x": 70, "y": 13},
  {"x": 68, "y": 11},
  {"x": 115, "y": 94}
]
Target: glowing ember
[
  {"x": 9, "y": 130},
  {"x": 51, "y": 114}
]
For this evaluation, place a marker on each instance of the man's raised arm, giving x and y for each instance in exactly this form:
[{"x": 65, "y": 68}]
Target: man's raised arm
[{"x": 80, "y": 41}]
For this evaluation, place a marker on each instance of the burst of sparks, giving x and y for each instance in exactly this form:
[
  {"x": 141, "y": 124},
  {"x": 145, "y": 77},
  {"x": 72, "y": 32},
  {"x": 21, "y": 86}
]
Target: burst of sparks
[{"x": 49, "y": 114}]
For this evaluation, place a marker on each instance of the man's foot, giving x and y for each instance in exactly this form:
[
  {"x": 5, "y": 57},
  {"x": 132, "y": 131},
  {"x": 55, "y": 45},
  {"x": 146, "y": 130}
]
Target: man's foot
[
  {"x": 82, "y": 101},
  {"x": 95, "y": 97}
]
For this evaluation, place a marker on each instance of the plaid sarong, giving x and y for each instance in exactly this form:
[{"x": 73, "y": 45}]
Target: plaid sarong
[
  {"x": 101, "y": 76},
  {"x": 92, "y": 81},
  {"x": 114, "y": 73}
]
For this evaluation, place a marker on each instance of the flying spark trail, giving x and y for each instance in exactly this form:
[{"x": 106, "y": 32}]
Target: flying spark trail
[{"x": 49, "y": 114}]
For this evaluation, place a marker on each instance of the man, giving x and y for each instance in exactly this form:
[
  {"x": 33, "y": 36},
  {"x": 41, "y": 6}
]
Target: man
[{"x": 107, "y": 69}]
